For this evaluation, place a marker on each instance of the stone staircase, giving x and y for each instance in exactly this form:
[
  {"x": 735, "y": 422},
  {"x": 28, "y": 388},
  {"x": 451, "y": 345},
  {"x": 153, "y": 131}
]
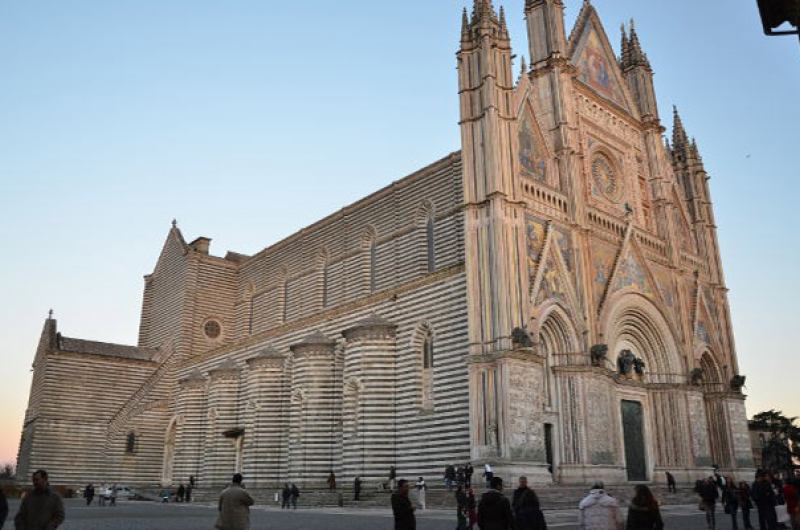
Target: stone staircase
[{"x": 553, "y": 497}]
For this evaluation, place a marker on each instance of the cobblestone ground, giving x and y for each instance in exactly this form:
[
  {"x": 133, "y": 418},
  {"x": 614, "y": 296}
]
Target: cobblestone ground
[{"x": 153, "y": 516}]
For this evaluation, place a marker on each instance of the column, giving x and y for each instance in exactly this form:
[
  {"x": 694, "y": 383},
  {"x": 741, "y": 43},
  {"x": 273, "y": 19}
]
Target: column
[
  {"x": 191, "y": 408},
  {"x": 222, "y": 425}
]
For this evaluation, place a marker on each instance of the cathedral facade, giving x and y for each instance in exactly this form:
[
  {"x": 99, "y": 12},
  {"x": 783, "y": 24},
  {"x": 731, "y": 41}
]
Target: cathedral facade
[{"x": 549, "y": 299}]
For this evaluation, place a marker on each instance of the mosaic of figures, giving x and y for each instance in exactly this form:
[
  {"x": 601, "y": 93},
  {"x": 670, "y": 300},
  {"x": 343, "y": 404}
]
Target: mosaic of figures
[
  {"x": 595, "y": 67},
  {"x": 532, "y": 155},
  {"x": 631, "y": 275}
]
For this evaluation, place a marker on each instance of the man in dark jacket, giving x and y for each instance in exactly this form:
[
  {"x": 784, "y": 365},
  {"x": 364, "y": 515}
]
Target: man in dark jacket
[
  {"x": 42, "y": 508},
  {"x": 708, "y": 497},
  {"x": 3, "y": 508},
  {"x": 527, "y": 512},
  {"x": 494, "y": 510},
  {"x": 402, "y": 509},
  {"x": 765, "y": 500}
]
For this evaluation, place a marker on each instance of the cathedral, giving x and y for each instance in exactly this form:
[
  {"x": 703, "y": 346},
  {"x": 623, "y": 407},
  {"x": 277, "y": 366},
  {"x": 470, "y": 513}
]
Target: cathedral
[{"x": 550, "y": 300}]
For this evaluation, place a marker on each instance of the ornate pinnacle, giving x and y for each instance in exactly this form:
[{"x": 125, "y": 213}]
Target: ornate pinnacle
[
  {"x": 523, "y": 67},
  {"x": 464, "y": 25},
  {"x": 679, "y": 138},
  {"x": 503, "y": 25},
  {"x": 624, "y": 47},
  {"x": 637, "y": 56}
]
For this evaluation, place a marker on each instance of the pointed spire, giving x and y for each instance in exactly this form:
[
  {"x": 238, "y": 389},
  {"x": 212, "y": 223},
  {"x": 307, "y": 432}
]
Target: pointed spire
[
  {"x": 523, "y": 67},
  {"x": 637, "y": 55},
  {"x": 503, "y": 25},
  {"x": 624, "y": 47},
  {"x": 464, "y": 25},
  {"x": 679, "y": 138}
]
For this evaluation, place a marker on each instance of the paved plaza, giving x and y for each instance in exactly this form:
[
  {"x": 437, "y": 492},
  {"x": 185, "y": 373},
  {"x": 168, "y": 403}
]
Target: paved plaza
[{"x": 154, "y": 516}]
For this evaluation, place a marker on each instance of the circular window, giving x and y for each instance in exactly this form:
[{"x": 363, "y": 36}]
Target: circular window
[
  {"x": 212, "y": 329},
  {"x": 605, "y": 177}
]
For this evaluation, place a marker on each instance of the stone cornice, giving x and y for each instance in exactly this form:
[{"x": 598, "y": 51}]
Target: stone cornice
[
  {"x": 372, "y": 328},
  {"x": 314, "y": 345},
  {"x": 193, "y": 380},
  {"x": 523, "y": 354},
  {"x": 270, "y": 358},
  {"x": 226, "y": 371}
]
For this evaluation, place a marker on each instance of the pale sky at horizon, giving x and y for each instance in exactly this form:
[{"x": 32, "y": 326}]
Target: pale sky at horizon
[{"x": 247, "y": 120}]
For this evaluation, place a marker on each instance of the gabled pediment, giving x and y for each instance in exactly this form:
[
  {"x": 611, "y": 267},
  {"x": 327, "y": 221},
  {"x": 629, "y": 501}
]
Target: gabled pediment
[
  {"x": 591, "y": 53},
  {"x": 553, "y": 279},
  {"x": 175, "y": 247}
]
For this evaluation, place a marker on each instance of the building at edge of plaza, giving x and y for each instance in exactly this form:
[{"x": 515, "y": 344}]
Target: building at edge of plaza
[{"x": 551, "y": 297}]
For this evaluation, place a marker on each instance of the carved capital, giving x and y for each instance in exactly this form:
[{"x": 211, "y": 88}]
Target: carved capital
[
  {"x": 373, "y": 328},
  {"x": 314, "y": 345}
]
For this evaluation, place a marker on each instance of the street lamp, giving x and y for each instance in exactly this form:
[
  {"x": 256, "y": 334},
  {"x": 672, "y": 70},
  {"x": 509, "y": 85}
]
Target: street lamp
[{"x": 775, "y": 13}]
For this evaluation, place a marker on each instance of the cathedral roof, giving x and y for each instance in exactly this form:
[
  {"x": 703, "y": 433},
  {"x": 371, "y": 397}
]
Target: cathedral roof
[{"x": 104, "y": 348}]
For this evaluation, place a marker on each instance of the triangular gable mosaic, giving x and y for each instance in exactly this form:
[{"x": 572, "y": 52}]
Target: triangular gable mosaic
[
  {"x": 596, "y": 67},
  {"x": 532, "y": 152},
  {"x": 631, "y": 274},
  {"x": 552, "y": 285}
]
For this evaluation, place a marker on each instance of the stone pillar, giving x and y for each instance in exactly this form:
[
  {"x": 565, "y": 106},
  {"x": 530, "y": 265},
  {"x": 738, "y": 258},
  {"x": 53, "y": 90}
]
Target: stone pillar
[
  {"x": 740, "y": 436},
  {"x": 506, "y": 411},
  {"x": 698, "y": 426},
  {"x": 719, "y": 430},
  {"x": 369, "y": 418},
  {"x": 222, "y": 425},
  {"x": 265, "y": 420},
  {"x": 191, "y": 408},
  {"x": 313, "y": 419}
]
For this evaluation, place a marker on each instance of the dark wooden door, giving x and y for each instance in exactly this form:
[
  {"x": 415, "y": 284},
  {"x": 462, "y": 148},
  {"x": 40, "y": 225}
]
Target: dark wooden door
[{"x": 633, "y": 428}]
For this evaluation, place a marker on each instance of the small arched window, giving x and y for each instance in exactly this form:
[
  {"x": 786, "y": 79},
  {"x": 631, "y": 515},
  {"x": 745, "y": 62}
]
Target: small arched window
[
  {"x": 427, "y": 371},
  {"x": 430, "y": 244},
  {"x": 373, "y": 266},
  {"x": 427, "y": 352},
  {"x": 130, "y": 443}
]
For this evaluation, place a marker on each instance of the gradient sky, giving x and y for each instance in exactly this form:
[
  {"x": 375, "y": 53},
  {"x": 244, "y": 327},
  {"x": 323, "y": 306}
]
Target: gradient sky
[{"x": 249, "y": 119}]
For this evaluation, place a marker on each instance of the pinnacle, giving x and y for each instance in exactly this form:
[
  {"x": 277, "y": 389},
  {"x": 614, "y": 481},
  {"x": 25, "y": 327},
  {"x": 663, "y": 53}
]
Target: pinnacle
[
  {"x": 523, "y": 67},
  {"x": 679, "y": 138},
  {"x": 632, "y": 53},
  {"x": 464, "y": 25}
]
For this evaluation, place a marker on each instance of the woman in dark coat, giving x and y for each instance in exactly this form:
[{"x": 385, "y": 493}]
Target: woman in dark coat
[
  {"x": 643, "y": 512},
  {"x": 743, "y": 492}
]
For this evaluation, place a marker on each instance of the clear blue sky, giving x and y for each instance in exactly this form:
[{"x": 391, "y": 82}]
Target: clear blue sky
[{"x": 247, "y": 120}]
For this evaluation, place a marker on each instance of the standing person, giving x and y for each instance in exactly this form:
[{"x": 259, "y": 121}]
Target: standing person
[
  {"x": 494, "y": 510},
  {"x": 357, "y": 488},
  {"x": 643, "y": 512},
  {"x": 332, "y": 481},
  {"x": 421, "y": 487},
  {"x": 101, "y": 498},
  {"x": 3, "y": 508},
  {"x": 188, "y": 497},
  {"x": 743, "y": 491},
  {"x": 730, "y": 501},
  {"x": 472, "y": 509},
  {"x": 765, "y": 500},
  {"x": 402, "y": 509},
  {"x": 671, "y": 483},
  {"x": 449, "y": 476},
  {"x": 488, "y": 474},
  {"x": 468, "y": 471},
  {"x": 234, "y": 506},
  {"x": 88, "y": 494},
  {"x": 708, "y": 500},
  {"x": 461, "y": 508},
  {"x": 599, "y": 510},
  {"x": 113, "y": 495},
  {"x": 42, "y": 508},
  {"x": 181, "y": 492},
  {"x": 460, "y": 476},
  {"x": 392, "y": 477},
  {"x": 791, "y": 493},
  {"x": 527, "y": 511},
  {"x": 286, "y": 494},
  {"x": 295, "y": 493}
]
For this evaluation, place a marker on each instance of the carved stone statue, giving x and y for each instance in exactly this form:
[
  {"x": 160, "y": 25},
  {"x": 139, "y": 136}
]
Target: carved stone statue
[
  {"x": 638, "y": 365},
  {"x": 696, "y": 376},
  {"x": 598, "y": 354},
  {"x": 625, "y": 362},
  {"x": 737, "y": 382},
  {"x": 521, "y": 338}
]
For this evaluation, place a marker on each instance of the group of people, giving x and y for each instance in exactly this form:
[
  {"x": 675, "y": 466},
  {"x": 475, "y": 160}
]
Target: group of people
[
  {"x": 455, "y": 476},
  {"x": 289, "y": 495},
  {"x": 766, "y": 494},
  {"x": 106, "y": 494}
]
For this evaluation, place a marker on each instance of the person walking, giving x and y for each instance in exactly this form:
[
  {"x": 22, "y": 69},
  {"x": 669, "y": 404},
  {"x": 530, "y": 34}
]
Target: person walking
[
  {"x": 357, "y": 489},
  {"x": 791, "y": 494},
  {"x": 113, "y": 495},
  {"x": 708, "y": 500},
  {"x": 3, "y": 508},
  {"x": 461, "y": 508},
  {"x": 599, "y": 510},
  {"x": 643, "y": 511},
  {"x": 392, "y": 477},
  {"x": 181, "y": 494},
  {"x": 527, "y": 511},
  {"x": 188, "y": 497},
  {"x": 449, "y": 476},
  {"x": 402, "y": 510},
  {"x": 730, "y": 501},
  {"x": 468, "y": 471},
  {"x": 765, "y": 500},
  {"x": 332, "y": 482},
  {"x": 745, "y": 503},
  {"x": 42, "y": 508},
  {"x": 234, "y": 506},
  {"x": 671, "y": 483},
  {"x": 488, "y": 474},
  {"x": 88, "y": 494},
  {"x": 101, "y": 497},
  {"x": 295, "y": 493},
  {"x": 421, "y": 487},
  {"x": 494, "y": 510},
  {"x": 472, "y": 509},
  {"x": 286, "y": 494}
]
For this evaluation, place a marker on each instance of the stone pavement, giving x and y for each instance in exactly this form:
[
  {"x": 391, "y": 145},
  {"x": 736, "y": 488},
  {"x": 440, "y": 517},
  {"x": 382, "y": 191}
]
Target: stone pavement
[{"x": 154, "y": 516}]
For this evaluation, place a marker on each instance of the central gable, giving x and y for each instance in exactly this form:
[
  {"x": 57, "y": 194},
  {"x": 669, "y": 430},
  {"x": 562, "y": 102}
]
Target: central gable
[{"x": 596, "y": 62}]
